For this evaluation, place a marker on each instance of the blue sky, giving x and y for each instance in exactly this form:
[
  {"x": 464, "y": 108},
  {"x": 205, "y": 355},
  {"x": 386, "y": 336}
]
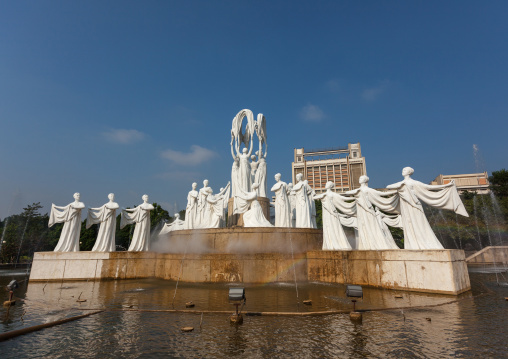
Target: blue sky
[{"x": 137, "y": 97}]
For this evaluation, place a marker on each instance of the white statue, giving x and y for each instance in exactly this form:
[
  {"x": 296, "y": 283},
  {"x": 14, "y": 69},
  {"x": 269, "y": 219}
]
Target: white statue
[
  {"x": 385, "y": 220},
  {"x": 176, "y": 225},
  {"x": 106, "y": 216},
  {"x": 234, "y": 174},
  {"x": 369, "y": 231},
  {"x": 303, "y": 215},
  {"x": 70, "y": 215},
  {"x": 261, "y": 175},
  {"x": 292, "y": 203},
  {"x": 203, "y": 208},
  {"x": 141, "y": 216},
  {"x": 417, "y": 231},
  {"x": 244, "y": 178},
  {"x": 351, "y": 222},
  {"x": 191, "y": 211},
  {"x": 244, "y": 172},
  {"x": 311, "y": 194},
  {"x": 334, "y": 237},
  {"x": 261, "y": 133},
  {"x": 282, "y": 205},
  {"x": 218, "y": 204},
  {"x": 254, "y": 216},
  {"x": 253, "y": 166}
]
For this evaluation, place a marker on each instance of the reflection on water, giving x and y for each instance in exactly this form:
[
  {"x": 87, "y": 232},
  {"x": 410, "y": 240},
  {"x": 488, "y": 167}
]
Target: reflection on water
[{"x": 474, "y": 325}]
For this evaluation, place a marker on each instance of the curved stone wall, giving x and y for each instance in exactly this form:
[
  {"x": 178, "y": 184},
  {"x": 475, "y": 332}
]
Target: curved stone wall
[{"x": 242, "y": 240}]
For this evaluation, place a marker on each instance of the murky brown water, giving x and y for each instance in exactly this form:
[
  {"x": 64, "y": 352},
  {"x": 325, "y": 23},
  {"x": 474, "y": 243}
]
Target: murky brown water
[{"x": 474, "y": 326}]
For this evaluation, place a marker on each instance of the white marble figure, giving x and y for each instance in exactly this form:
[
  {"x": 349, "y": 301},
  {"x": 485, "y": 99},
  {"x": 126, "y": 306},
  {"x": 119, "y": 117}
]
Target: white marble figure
[
  {"x": 417, "y": 231},
  {"x": 302, "y": 207},
  {"x": 292, "y": 203},
  {"x": 141, "y": 216},
  {"x": 282, "y": 205},
  {"x": 191, "y": 211},
  {"x": 311, "y": 194},
  {"x": 385, "y": 220},
  {"x": 334, "y": 237},
  {"x": 236, "y": 130},
  {"x": 260, "y": 178},
  {"x": 218, "y": 205},
  {"x": 261, "y": 133},
  {"x": 244, "y": 178},
  {"x": 253, "y": 217},
  {"x": 203, "y": 208},
  {"x": 350, "y": 222},
  {"x": 70, "y": 215},
  {"x": 234, "y": 174},
  {"x": 370, "y": 233},
  {"x": 106, "y": 216},
  {"x": 176, "y": 225},
  {"x": 253, "y": 166}
]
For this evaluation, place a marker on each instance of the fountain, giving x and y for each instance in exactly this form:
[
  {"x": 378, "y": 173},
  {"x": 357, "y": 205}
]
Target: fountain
[{"x": 258, "y": 252}]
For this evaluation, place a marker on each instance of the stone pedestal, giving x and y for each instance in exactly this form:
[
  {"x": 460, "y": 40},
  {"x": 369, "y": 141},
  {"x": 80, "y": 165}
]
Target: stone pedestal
[{"x": 237, "y": 219}]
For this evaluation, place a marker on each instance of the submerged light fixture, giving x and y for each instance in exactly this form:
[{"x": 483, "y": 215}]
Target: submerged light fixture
[{"x": 237, "y": 297}]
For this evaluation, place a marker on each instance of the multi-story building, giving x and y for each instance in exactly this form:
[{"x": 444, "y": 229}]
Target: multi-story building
[
  {"x": 343, "y": 166},
  {"x": 477, "y": 182}
]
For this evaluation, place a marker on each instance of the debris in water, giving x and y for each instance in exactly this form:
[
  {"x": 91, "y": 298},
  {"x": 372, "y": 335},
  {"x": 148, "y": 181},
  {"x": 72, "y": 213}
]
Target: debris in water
[
  {"x": 307, "y": 302},
  {"x": 189, "y": 305},
  {"x": 428, "y": 319},
  {"x": 187, "y": 329},
  {"x": 398, "y": 296}
]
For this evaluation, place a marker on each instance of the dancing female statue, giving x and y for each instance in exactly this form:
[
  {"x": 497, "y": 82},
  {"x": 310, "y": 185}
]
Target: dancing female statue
[
  {"x": 260, "y": 178},
  {"x": 191, "y": 211},
  {"x": 282, "y": 205},
  {"x": 70, "y": 215},
  {"x": 370, "y": 233},
  {"x": 417, "y": 231},
  {"x": 106, "y": 216},
  {"x": 311, "y": 193},
  {"x": 141, "y": 216},
  {"x": 385, "y": 220},
  {"x": 203, "y": 208},
  {"x": 303, "y": 215},
  {"x": 334, "y": 237}
]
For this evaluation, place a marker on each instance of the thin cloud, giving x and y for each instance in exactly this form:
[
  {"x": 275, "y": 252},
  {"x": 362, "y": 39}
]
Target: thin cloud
[
  {"x": 123, "y": 136},
  {"x": 311, "y": 113},
  {"x": 373, "y": 93},
  {"x": 333, "y": 85},
  {"x": 196, "y": 156},
  {"x": 180, "y": 176}
]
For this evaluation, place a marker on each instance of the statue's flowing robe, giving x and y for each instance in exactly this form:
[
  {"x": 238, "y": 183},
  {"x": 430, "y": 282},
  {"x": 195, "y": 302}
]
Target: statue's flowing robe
[
  {"x": 191, "y": 211},
  {"x": 141, "y": 236},
  {"x": 385, "y": 220},
  {"x": 292, "y": 203},
  {"x": 350, "y": 222},
  {"x": 417, "y": 231},
  {"x": 234, "y": 178},
  {"x": 106, "y": 217},
  {"x": 311, "y": 193},
  {"x": 216, "y": 209},
  {"x": 176, "y": 225},
  {"x": 282, "y": 205},
  {"x": 224, "y": 200},
  {"x": 70, "y": 216},
  {"x": 370, "y": 233},
  {"x": 253, "y": 217},
  {"x": 260, "y": 178},
  {"x": 334, "y": 237},
  {"x": 302, "y": 208}
]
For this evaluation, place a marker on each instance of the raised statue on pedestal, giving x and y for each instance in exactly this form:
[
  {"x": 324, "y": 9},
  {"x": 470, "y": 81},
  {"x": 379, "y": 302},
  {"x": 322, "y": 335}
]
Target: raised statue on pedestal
[
  {"x": 141, "y": 216},
  {"x": 254, "y": 216},
  {"x": 334, "y": 237},
  {"x": 417, "y": 231},
  {"x": 176, "y": 225},
  {"x": 370, "y": 233},
  {"x": 191, "y": 211},
  {"x": 106, "y": 216},
  {"x": 282, "y": 205},
  {"x": 70, "y": 215},
  {"x": 303, "y": 215}
]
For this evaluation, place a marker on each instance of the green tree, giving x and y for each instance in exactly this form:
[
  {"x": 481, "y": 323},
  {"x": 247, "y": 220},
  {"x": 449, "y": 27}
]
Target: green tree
[{"x": 499, "y": 183}]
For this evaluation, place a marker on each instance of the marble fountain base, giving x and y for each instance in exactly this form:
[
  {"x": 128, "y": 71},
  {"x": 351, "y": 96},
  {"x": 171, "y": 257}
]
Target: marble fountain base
[{"x": 263, "y": 255}]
